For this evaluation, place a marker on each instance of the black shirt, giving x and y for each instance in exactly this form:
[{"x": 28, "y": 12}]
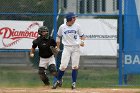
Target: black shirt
[{"x": 44, "y": 46}]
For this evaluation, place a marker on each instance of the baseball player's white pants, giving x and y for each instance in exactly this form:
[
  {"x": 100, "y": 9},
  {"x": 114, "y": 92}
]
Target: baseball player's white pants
[
  {"x": 72, "y": 52},
  {"x": 44, "y": 62}
]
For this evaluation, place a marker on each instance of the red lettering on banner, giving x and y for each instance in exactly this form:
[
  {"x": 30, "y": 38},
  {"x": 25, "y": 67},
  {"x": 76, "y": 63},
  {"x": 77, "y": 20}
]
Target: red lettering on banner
[{"x": 12, "y": 34}]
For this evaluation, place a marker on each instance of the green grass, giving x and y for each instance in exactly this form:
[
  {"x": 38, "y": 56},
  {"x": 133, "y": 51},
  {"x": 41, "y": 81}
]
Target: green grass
[
  {"x": 97, "y": 77},
  {"x": 14, "y": 78},
  {"x": 92, "y": 78}
]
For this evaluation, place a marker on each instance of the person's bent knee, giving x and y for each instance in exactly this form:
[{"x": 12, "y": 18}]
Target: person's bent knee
[
  {"x": 41, "y": 70},
  {"x": 75, "y": 67},
  {"x": 52, "y": 69},
  {"x": 41, "y": 73},
  {"x": 62, "y": 68}
]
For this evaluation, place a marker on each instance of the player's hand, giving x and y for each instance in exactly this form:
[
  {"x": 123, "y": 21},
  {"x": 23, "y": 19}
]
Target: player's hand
[
  {"x": 31, "y": 54},
  {"x": 58, "y": 49},
  {"x": 82, "y": 44}
]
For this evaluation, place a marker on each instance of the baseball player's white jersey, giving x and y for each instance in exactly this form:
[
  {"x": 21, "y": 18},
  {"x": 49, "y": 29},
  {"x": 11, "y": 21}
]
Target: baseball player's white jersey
[
  {"x": 70, "y": 39},
  {"x": 70, "y": 34}
]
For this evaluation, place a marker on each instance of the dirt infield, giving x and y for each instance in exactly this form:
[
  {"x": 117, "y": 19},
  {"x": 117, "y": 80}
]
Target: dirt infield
[{"x": 68, "y": 90}]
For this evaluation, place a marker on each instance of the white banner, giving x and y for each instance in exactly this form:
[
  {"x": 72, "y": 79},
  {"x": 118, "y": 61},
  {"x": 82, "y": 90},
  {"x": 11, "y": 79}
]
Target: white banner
[
  {"x": 18, "y": 34},
  {"x": 101, "y": 37}
]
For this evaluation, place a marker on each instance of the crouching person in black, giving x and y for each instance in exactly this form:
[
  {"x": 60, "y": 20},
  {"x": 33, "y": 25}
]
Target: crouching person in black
[{"x": 47, "y": 60}]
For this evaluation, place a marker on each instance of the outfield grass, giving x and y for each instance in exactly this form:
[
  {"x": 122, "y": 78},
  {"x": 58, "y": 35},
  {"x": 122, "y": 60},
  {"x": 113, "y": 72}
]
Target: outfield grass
[
  {"x": 91, "y": 78},
  {"x": 98, "y": 77}
]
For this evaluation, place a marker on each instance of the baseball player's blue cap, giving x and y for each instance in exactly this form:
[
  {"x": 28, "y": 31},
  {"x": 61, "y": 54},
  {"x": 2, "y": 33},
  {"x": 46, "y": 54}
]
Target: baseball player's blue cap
[{"x": 70, "y": 15}]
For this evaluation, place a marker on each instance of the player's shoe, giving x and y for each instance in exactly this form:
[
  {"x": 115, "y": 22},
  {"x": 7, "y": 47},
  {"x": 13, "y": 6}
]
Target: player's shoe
[
  {"x": 73, "y": 85},
  {"x": 56, "y": 84},
  {"x": 60, "y": 83}
]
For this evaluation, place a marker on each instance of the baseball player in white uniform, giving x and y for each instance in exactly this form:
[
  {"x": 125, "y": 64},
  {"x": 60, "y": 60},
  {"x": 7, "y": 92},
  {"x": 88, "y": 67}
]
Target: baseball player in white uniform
[{"x": 72, "y": 39}]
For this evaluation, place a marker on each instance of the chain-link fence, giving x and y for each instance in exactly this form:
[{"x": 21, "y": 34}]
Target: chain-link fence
[{"x": 94, "y": 68}]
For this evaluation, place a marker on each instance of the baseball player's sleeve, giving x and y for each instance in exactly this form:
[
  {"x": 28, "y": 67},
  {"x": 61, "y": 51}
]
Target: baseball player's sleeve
[
  {"x": 59, "y": 33},
  {"x": 35, "y": 43},
  {"x": 81, "y": 34},
  {"x": 82, "y": 37},
  {"x": 53, "y": 42}
]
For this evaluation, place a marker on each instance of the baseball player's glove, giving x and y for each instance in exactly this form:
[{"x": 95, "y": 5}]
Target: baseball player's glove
[{"x": 54, "y": 50}]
